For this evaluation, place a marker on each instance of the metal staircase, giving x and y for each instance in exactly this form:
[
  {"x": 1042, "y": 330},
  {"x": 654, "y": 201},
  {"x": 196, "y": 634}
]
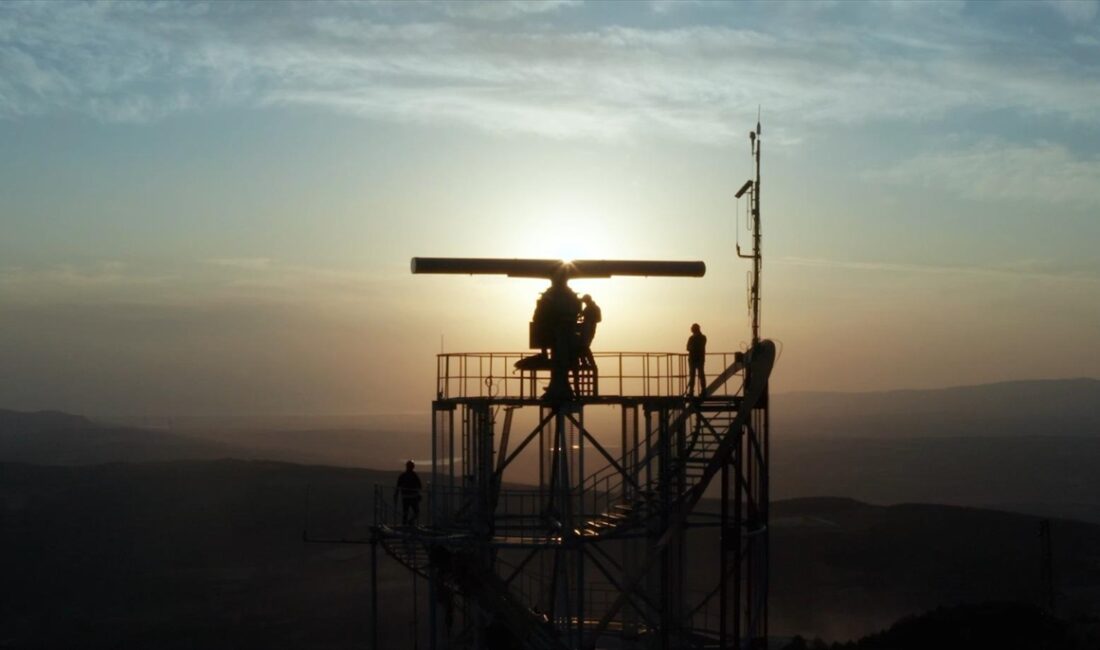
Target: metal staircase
[
  {"x": 408, "y": 551},
  {"x": 714, "y": 422},
  {"x": 647, "y": 491}
]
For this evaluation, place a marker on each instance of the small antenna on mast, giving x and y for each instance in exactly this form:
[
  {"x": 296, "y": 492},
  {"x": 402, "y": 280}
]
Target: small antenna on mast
[{"x": 753, "y": 186}]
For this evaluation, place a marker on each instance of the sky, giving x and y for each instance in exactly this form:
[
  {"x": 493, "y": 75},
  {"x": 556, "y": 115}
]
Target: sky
[{"x": 209, "y": 209}]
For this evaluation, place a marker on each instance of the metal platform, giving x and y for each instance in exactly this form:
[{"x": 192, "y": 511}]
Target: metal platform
[{"x": 590, "y": 551}]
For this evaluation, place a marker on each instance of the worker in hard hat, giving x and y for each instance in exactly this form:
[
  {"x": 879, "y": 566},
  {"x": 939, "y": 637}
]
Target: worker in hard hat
[
  {"x": 408, "y": 488},
  {"x": 590, "y": 317},
  {"x": 697, "y": 359}
]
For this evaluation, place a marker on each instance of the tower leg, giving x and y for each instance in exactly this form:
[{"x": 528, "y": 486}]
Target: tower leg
[{"x": 374, "y": 594}]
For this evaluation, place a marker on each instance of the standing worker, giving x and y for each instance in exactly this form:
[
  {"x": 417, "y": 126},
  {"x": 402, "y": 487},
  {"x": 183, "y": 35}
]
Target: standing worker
[
  {"x": 697, "y": 358},
  {"x": 561, "y": 310},
  {"x": 408, "y": 486},
  {"x": 590, "y": 316}
]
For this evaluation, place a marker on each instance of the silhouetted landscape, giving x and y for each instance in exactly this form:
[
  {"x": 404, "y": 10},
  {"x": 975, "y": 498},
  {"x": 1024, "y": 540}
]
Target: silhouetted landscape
[
  {"x": 187, "y": 553},
  {"x": 1066, "y": 407},
  {"x": 1031, "y": 447},
  {"x": 119, "y": 536}
]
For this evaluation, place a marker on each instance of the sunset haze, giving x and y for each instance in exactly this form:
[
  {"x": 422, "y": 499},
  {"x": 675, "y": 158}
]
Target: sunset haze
[{"x": 209, "y": 209}]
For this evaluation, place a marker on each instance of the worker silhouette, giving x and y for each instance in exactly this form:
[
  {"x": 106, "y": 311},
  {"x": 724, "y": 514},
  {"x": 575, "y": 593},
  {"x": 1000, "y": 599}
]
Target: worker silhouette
[
  {"x": 408, "y": 487},
  {"x": 697, "y": 359},
  {"x": 590, "y": 317},
  {"x": 556, "y": 317}
]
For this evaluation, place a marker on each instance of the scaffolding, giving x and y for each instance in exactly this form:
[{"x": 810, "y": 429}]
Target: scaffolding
[
  {"x": 571, "y": 522},
  {"x": 592, "y": 555}
]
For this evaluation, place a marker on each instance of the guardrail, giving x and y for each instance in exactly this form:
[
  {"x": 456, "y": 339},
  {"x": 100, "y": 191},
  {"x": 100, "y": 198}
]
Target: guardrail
[{"x": 621, "y": 374}]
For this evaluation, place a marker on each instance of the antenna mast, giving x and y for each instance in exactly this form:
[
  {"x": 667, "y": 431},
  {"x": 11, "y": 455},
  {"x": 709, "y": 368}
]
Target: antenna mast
[{"x": 753, "y": 187}]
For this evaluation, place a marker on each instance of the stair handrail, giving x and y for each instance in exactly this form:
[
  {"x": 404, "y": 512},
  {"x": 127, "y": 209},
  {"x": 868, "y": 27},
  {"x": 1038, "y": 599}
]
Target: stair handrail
[{"x": 613, "y": 492}]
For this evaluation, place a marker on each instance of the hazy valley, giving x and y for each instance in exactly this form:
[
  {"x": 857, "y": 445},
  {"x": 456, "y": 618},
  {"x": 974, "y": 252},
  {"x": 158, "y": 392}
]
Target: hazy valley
[{"x": 119, "y": 535}]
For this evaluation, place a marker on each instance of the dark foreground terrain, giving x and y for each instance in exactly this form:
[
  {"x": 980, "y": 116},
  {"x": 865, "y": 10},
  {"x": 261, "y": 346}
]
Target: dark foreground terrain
[
  {"x": 209, "y": 554},
  {"x": 990, "y": 626}
]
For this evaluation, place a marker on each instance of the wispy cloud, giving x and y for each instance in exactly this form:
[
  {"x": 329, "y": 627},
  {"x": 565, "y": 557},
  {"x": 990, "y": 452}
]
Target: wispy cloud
[
  {"x": 1034, "y": 269},
  {"x": 251, "y": 263},
  {"x": 235, "y": 279},
  {"x": 108, "y": 275},
  {"x": 1077, "y": 11},
  {"x": 455, "y": 63},
  {"x": 669, "y": 6},
  {"x": 994, "y": 170},
  {"x": 272, "y": 281},
  {"x": 503, "y": 10}
]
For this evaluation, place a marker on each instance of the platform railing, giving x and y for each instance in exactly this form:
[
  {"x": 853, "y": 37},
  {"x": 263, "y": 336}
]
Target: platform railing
[
  {"x": 607, "y": 486},
  {"x": 389, "y": 506},
  {"x": 621, "y": 374}
]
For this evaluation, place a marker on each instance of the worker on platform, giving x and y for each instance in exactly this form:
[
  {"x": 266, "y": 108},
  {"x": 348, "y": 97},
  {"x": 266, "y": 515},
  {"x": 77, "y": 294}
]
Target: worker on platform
[
  {"x": 560, "y": 309},
  {"x": 590, "y": 317},
  {"x": 697, "y": 358},
  {"x": 408, "y": 487}
]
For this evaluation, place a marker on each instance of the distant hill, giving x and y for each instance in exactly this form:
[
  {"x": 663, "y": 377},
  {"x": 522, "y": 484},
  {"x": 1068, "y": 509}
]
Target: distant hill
[
  {"x": 1066, "y": 407},
  {"x": 56, "y": 438},
  {"x": 23, "y": 422},
  {"x": 1026, "y": 446},
  {"x": 1053, "y": 476},
  {"x": 1047, "y": 475},
  {"x": 377, "y": 448},
  {"x": 209, "y": 554}
]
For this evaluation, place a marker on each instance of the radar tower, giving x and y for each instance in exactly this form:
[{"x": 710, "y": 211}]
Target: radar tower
[{"x": 618, "y": 512}]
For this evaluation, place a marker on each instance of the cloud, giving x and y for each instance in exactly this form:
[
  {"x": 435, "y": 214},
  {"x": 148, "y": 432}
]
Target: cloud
[
  {"x": 252, "y": 280},
  {"x": 994, "y": 170},
  {"x": 1019, "y": 269},
  {"x": 318, "y": 286},
  {"x": 503, "y": 10},
  {"x": 103, "y": 277},
  {"x": 669, "y": 6},
  {"x": 251, "y": 263},
  {"x": 511, "y": 67},
  {"x": 1076, "y": 11}
]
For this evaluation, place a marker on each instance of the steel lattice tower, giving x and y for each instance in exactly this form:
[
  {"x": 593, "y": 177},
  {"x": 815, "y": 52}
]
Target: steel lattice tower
[{"x": 596, "y": 554}]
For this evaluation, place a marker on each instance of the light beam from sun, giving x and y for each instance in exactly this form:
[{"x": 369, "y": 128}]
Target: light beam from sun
[{"x": 567, "y": 230}]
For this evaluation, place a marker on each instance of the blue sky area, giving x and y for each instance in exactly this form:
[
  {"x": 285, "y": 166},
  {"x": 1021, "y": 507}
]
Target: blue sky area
[{"x": 209, "y": 208}]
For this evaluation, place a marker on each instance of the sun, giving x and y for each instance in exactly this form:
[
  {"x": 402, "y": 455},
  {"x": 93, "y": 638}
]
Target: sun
[{"x": 568, "y": 231}]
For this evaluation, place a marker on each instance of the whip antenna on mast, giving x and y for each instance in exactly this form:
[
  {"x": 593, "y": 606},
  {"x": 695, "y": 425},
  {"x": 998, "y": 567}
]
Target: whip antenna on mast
[{"x": 753, "y": 187}]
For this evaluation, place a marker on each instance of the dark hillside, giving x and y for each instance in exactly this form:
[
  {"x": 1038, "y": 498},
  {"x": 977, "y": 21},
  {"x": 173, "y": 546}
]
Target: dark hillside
[
  {"x": 842, "y": 568},
  {"x": 995, "y": 625},
  {"x": 28, "y": 422},
  {"x": 209, "y": 554},
  {"x": 1046, "y": 475},
  {"x": 185, "y": 554},
  {"x": 1065, "y": 407},
  {"x": 55, "y": 438}
]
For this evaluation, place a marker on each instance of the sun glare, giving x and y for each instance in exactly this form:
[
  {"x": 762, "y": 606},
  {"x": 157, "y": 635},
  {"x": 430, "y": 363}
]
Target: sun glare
[{"x": 568, "y": 232}]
